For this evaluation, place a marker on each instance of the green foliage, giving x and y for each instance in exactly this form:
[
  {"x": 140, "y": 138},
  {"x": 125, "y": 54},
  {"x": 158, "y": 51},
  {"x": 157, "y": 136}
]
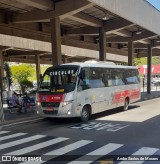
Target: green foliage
[
  {"x": 143, "y": 61},
  {"x": 25, "y": 84},
  {"x": 140, "y": 61},
  {"x": 33, "y": 77},
  {"x": 44, "y": 68},
  {"x": 21, "y": 73},
  {"x": 156, "y": 60}
]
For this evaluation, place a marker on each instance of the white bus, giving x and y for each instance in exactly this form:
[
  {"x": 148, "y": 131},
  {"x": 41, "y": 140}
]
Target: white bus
[{"x": 83, "y": 89}]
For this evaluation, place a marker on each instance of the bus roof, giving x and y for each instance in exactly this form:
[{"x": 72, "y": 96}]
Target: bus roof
[{"x": 101, "y": 64}]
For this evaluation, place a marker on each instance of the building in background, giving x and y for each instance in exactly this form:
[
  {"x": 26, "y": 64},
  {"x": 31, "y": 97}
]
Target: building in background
[{"x": 155, "y": 72}]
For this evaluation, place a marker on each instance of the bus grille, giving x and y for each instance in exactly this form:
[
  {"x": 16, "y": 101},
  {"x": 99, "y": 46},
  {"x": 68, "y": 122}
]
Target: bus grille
[
  {"x": 50, "y": 112},
  {"x": 50, "y": 104}
]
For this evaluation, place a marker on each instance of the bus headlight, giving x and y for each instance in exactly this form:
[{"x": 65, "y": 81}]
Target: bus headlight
[
  {"x": 69, "y": 112},
  {"x": 66, "y": 103},
  {"x": 38, "y": 103}
]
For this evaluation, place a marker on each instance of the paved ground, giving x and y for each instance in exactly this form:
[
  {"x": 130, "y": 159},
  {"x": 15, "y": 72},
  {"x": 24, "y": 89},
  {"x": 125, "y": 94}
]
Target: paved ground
[
  {"x": 16, "y": 117},
  {"x": 111, "y": 134}
]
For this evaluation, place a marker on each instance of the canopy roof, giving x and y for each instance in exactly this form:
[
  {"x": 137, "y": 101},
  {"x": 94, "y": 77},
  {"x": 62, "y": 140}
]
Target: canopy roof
[{"x": 29, "y": 22}]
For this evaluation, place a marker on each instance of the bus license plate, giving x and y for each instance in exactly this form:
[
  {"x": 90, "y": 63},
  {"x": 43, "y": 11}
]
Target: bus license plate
[{"x": 49, "y": 109}]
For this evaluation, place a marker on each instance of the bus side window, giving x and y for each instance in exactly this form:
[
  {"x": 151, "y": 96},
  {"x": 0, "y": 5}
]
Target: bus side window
[{"x": 84, "y": 82}]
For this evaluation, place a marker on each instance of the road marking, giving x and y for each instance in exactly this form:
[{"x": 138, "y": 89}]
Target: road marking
[
  {"x": 63, "y": 150},
  {"x": 69, "y": 148},
  {"x": 3, "y": 132},
  {"x": 21, "y": 141},
  {"x": 143, "y": 151},
  {"x": 12, "y": 136},
  {"x": 100, "y": 126},
  {"x": 37, "y": 146},
  {"x": 96, "y": 154}
]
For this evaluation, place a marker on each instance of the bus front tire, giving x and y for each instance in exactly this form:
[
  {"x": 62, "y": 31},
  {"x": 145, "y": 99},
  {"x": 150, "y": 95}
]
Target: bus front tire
[
  {"x": 126, "y": 104},
  {"x": 85, "y": 114}
]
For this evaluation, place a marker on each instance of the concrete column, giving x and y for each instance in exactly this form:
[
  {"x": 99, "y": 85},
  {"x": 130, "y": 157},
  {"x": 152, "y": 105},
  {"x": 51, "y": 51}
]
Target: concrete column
[
  {"x": 64, "y": 59},
  {"x": 149, "y": 70},
  {"x": 102, "y": 44},
  {"x": 1, "y": 69},
  {"x": 56, "y": 41},
  {"x": 130, "y": 53},
  {"x": 1, "y": 85},
  {"x": 38, "y": 69}
]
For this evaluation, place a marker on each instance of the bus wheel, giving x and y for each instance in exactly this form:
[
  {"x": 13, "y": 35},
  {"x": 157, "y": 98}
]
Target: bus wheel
[
  {"x": 126, "y": 104},
  {"x": 85, "y": 114}
]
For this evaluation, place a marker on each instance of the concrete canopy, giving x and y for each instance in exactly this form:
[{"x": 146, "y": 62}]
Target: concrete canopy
[{"x": 25, "y": 25}]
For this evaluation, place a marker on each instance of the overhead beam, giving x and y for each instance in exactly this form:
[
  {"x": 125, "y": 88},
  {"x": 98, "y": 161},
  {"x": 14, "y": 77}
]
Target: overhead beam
[
  {"x": 145, "y": 41},
  {"x": 155, "y": 50},
  {"x": 86, "y": 19},
  {"x": 142, "y": 55},
  {"x": 144, "y": 35},
  {"x": 61, "y": 10},
  {"x": 116, "y": 25},
  {"x": 123, "y": 33},
  {"x": 140, "y": 46},
  {"x": 35, "y": 15},
  {"x": 23, "y": 60},
  {"x": 88, "y": 30},
  {"x": 40, "y": 4},
  {"x": 156, "y": 43},
  {"x": 12, "y": 30},
  {"x": 92, "y": 46},
  {"x": 23, "y": 53},
  {"x": 109, "y": 27},
  {"x": 66, "y": 8}
]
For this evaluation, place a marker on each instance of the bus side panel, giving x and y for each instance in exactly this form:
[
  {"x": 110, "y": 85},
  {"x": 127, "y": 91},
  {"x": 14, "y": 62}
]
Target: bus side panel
[{"x": 83, "y": 98}]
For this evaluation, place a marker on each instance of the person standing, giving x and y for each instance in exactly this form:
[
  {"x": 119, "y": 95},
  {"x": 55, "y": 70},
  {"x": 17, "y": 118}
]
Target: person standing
[
  {"x": 20, "y": 104},
  {"x": 14, "y": 99},
  {"x": 26, "y": 101}
]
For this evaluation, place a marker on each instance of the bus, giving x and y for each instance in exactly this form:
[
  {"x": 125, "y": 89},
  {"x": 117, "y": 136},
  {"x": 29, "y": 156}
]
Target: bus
[{"x": 82, "y": 89}]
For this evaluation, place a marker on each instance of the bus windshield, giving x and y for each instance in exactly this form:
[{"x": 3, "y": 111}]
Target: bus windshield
[{"x": 59, "y": 80}]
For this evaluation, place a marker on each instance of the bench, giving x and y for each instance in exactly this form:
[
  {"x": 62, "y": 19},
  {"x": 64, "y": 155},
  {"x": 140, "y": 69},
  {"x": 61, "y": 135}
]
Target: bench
[{"x": 13, "y": 109}]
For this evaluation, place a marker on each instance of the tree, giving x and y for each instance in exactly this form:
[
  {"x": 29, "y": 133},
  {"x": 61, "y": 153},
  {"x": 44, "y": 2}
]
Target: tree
[
  {"x": 25, "y": 84},
  {"x": 143, "y": 61},
  {"x": 21, "y": 73}
]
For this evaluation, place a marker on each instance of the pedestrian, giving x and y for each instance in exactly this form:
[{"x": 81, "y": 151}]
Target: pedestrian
[
  {"x": 20, "y": 104},
  {"x": 26, "y": 101},
  {"x": 14, "y": 99}
]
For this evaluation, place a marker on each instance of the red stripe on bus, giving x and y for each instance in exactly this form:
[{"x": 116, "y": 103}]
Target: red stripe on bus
[
  {"x": 120, "y": 96},
  {"x": 51, "y": 98}
]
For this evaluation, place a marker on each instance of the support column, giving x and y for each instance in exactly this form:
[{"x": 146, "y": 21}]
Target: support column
[
  {"x": 102, "y": 44},
  {"x": 130, "y": 53},
  {"x": 64, "y": 59},
  {"x": 1, "y": 69},
  {"x": 38, "y": 69},
  {"x": 149, "y": 70},
  {"x": 1, "y": 86},
  {"x": 56, "y": 41}
]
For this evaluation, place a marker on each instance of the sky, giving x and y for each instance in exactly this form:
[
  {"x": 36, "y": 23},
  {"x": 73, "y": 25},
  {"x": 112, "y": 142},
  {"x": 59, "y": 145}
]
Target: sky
[{"x": 155, "y": 3}]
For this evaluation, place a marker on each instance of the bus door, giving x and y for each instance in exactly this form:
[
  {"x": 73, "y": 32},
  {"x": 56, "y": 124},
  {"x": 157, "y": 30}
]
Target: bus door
[{"x": 88, "y": 90}]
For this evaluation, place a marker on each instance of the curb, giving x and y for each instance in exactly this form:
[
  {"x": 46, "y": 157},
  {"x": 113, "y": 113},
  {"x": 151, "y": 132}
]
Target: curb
[{"x": 17, "y": 121}]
